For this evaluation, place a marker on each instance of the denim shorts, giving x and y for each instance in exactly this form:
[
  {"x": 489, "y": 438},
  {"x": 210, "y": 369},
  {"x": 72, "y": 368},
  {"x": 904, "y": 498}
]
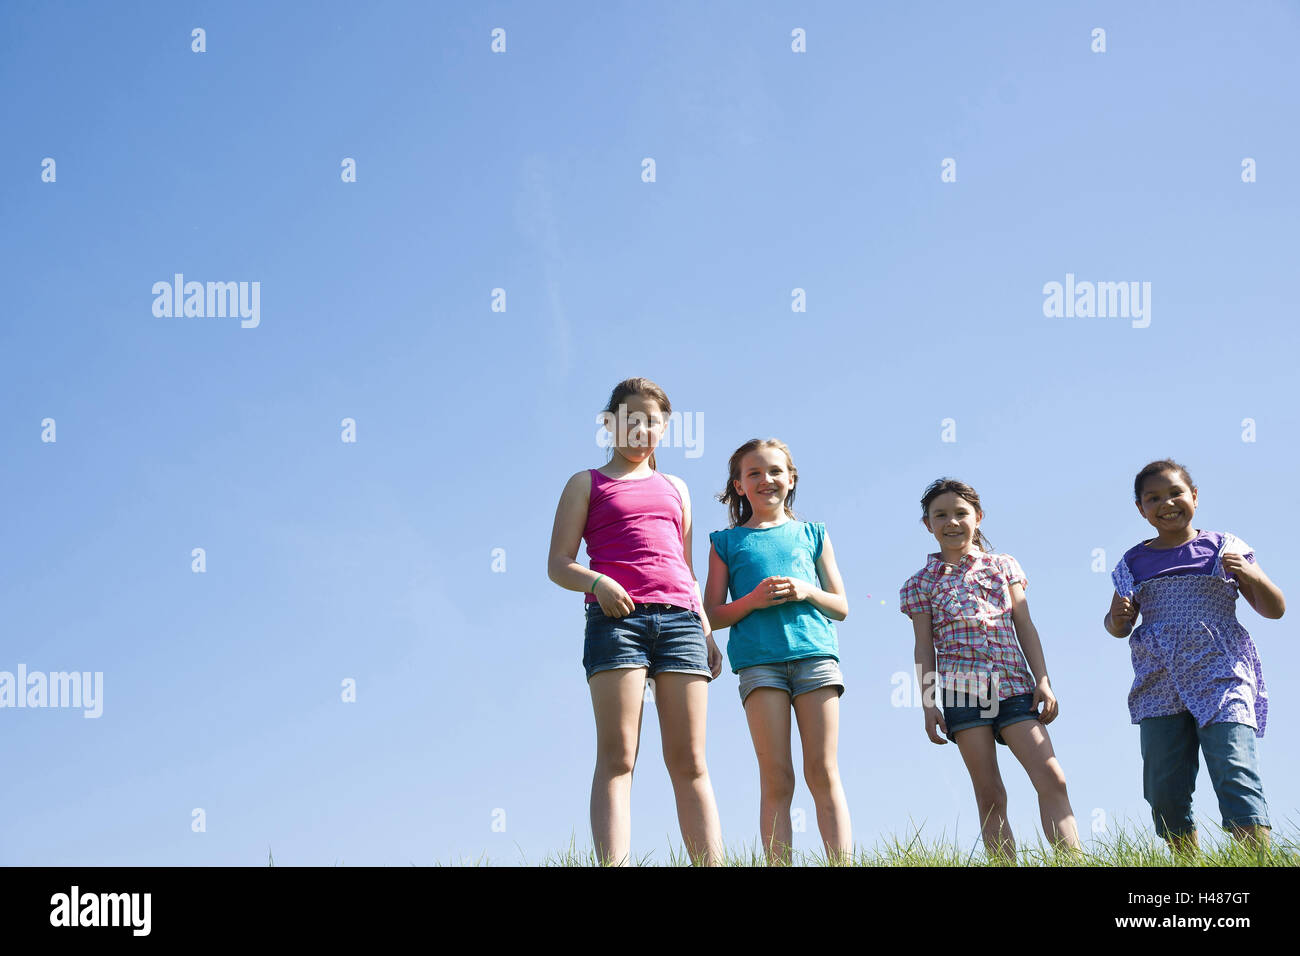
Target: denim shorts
[
  {"x": 998, "y": 714},
  {"x": 1169, "y": 767},
  {"x": 793, "y": 677},
  {"x": 658, "y": 637}
]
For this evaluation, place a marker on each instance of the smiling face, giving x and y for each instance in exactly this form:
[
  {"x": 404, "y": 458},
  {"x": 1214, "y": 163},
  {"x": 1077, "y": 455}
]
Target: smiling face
[
  {"x": 1168, "y": 502},
  {"x": 637, "y": 427},
  {"x": 953, "y": 521},
  {"x": 765, "y": 478}
]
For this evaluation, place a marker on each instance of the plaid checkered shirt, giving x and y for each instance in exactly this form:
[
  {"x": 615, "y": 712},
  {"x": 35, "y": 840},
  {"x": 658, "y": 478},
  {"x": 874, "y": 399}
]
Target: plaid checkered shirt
[{"x": 975, "y": 643}]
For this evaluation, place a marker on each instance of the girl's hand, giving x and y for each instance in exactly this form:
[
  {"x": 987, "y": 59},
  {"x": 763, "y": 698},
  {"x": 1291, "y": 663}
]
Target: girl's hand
[
  {"x": 772, "y": 591},
  {"x": 715, "y": 656},
  {"x": 934, "y": 725},
  {"x": 1043, "y": 695},
  {"x": 1122, "y": 610},
  {"x": 614, "y": 601},
  {"x": 1243, "y": 570},
  {"x": 797, "y": 588}
]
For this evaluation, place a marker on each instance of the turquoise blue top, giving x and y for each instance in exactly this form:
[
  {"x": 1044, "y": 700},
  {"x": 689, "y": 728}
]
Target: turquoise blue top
[{"x": 785, "y": 632}]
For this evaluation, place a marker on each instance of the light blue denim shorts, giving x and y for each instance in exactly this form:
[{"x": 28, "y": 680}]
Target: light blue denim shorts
[{"x": 793, "y": 677}]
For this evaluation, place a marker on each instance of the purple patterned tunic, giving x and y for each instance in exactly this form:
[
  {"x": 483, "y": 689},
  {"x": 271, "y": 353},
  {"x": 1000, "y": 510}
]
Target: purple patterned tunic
[{"x": 1190, "y": 653}]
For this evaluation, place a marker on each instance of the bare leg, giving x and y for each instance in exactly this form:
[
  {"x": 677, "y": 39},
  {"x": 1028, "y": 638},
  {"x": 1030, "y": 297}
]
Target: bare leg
[
  {"x": 682, "y": 701},
  {"x": 616, "y": 697},
  {"x": 978, "y": 751},
  {"x": 768, "y": 711},
  {"x": 818, "y": 713},
  {"x": 1032, "y": 746}
]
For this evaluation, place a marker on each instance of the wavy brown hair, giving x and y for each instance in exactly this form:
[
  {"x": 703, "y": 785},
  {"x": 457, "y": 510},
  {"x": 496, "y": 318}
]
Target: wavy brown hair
[
  {"x": 942, "y": 486},
  {"x": 738, "y": 507},
  {"x": 646, "y": 389}
]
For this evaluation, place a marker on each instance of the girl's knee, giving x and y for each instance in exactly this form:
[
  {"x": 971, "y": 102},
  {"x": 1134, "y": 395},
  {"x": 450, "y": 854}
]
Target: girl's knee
[
  {"x": 778, "y": 786},
  {"x": 616, "y": 763},
  {"x": 991, "y": 797},
  {"x": 1169, "y": 796},
  {"x": 685, "y": 764},
  {"x": 1050, "y": 782},
  {"x": 821, "y": 777}
]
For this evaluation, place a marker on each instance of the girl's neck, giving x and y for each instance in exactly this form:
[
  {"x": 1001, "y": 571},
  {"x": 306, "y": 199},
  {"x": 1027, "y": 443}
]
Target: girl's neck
[
  {"x": 767, "y": 519},
  {"x": 620, "y": 467},
  {"x": 951, "y": 556},
  {"x": 1162, "y": 543}
]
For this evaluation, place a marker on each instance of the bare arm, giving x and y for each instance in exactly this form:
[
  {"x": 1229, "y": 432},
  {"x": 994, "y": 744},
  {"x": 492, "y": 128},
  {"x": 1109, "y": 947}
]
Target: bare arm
[
  {"x": 687, "y": 550},
  {"x": 1119, "y": 619},
  {"x": 926, "y": 677},
  {"x": 832, "y": 601},
  {"x": 1261, "y": 593},
  {"x": 721, "y": 614},
  {"x": 566, "y": 536},
  {"x": 1026, "y": 633}
]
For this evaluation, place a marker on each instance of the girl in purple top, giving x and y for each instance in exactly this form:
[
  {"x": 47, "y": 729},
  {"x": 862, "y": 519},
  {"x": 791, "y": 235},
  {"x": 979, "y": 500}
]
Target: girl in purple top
[
  {"x": 1197, "y": 678},
  {"x": 643, "y": 619}
]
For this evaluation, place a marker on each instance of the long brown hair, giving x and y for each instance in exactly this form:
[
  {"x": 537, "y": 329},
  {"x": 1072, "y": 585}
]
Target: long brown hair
[
  {"x": 646, "y": 389},
  {"x": 738, "y": 507},
  {"x": 942, "y": 486}
]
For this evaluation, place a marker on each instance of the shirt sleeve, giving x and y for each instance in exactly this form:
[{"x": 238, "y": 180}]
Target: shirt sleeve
[
  {"x": 719, "y": 540},
  {"x": 912, "y": 598},
  {"x": 819, "y": 535},
  {"x": 1122, "y": 578},
  {"x": 1012, "y": 572},
  {"x": 1235, "y": 545}
]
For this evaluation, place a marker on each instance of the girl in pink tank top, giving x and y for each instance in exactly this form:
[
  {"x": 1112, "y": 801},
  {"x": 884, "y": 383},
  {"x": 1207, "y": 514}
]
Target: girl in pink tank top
[
  {"x": 644, "y": 619},
  {"x": 634, "y": 535}
]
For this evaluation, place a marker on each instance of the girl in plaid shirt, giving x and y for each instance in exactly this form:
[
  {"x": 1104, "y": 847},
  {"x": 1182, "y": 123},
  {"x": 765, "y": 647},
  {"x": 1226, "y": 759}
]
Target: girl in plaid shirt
[{"x": 971, "y": 623}]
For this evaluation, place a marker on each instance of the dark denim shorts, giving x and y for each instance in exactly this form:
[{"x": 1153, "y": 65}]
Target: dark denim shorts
[
  {"x": 658, "y": 637},
  {"x": 997, "y": 715}
]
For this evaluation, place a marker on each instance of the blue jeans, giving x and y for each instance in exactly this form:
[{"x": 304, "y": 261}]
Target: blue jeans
[
  {"x": 1169, "y": 767},
  {"x": 658, "y": 637}
]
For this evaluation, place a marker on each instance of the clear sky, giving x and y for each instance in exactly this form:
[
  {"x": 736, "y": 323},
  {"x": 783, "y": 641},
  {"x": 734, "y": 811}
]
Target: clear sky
[{"x": 372, "y": 560}]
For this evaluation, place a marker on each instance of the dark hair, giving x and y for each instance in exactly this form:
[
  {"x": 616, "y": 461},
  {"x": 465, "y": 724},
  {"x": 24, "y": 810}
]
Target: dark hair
[
  {"x": 637, "y": 386},
  {"x": 942, "y": 486},
  {"x": 738, "y": 506},
  {"x": 1155, "y": 468}
]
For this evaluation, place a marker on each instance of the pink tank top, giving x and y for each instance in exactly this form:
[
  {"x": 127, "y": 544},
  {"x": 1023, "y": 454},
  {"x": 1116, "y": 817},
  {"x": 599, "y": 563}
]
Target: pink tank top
[{"x": 634, "y": 535}]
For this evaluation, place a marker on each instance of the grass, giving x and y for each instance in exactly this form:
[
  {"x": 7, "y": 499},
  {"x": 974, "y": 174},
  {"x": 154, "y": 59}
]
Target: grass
[
  {"x": 1129, "y": 846},
  {"x": 1125, "y": 848}
]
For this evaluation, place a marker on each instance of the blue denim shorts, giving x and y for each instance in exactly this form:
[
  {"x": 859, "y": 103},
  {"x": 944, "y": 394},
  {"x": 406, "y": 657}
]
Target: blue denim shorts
[
  {"x": 998, "y": 714},
  {"x": 793, "y": 677},
  {"x": 1169, "y": 768},
  {"x": 658, "y": 637}
]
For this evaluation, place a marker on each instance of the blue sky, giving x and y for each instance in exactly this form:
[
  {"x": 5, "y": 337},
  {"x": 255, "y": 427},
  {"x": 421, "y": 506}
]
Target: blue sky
[{"x": 372, "y": 560}]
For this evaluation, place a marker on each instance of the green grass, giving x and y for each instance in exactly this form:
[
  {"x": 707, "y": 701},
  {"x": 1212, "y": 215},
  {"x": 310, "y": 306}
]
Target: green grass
[{"x": 1126, "y": 847}]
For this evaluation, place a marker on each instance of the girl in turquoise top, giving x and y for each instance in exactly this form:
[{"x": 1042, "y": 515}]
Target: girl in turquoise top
[{"x": 785, "y": 593}]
